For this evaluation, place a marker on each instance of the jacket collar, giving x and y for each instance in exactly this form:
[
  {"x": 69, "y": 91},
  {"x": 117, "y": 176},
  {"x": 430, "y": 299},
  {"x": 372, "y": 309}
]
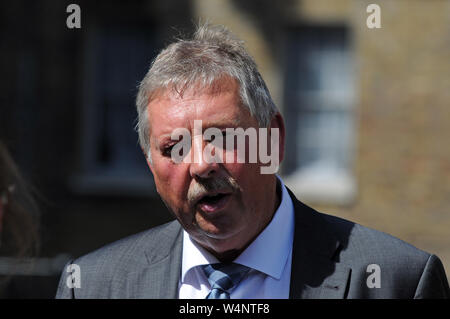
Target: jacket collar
[
  {"x": 315, "y": 272},
  {"x": 159, "y": 280}
]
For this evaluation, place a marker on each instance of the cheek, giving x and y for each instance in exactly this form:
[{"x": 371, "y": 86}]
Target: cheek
[
  {"x": 169, "y": 179},
  {"x": 245, "y": 174},
  {"x": 249, "y": 178}
]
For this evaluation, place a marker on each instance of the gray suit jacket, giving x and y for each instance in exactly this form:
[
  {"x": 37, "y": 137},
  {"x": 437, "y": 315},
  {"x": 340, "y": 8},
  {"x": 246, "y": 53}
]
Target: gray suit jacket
[{"x": 330, "y": 260}]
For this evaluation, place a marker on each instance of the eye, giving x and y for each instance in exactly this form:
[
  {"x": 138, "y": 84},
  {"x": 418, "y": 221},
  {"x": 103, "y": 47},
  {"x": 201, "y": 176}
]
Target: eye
[
  {"x": 224, "y": 139},
  {"x": 217, "y": 143},
  {"x": 224, "y": 135},
  {"x": 167, "y": 150},
  {"x": 231, "y": 144}
]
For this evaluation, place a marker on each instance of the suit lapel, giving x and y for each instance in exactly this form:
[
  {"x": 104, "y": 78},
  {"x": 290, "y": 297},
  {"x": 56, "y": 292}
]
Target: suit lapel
[
  {"x": 315, "y": 273},
  {"x": 160, "y": 279}
]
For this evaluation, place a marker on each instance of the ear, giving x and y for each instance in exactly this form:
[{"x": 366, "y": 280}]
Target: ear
[{"x": 278, "y": 122}]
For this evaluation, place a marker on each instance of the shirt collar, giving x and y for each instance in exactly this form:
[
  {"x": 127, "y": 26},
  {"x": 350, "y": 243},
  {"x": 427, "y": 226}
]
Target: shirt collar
[{"x": 268, "y": 253}]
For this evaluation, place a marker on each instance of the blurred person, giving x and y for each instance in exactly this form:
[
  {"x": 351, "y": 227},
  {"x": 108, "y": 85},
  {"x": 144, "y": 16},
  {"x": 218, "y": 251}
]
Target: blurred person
[
  {"x": 19, "y": 216},
  {"x": 239, "y": 232}
]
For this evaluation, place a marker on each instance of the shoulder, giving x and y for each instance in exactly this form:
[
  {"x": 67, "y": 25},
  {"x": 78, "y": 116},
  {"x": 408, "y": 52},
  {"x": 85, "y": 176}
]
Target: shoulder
[
  {"x": 403, "y": 270},
  {"x": 107, "y": 269},
  {"x": 133, "y": 251},
  {"x": 356, "y": 243},
  {"x": 373, "y": 245}
]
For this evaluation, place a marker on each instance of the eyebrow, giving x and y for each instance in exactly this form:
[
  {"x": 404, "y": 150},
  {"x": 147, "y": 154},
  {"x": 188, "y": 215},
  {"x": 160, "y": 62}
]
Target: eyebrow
[
  {"x": 164, "y": 138},
  {"x": 223, "y": 124}
]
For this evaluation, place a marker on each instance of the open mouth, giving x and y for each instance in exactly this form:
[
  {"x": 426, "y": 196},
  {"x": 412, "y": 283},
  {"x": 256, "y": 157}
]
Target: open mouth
[
  {"x": 212, "y": 203},
  {"x": 211, "y": 199}
]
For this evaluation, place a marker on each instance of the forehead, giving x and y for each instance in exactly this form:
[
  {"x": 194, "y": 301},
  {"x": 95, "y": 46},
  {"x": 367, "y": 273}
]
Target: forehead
[{"x": 217, "y": 105}]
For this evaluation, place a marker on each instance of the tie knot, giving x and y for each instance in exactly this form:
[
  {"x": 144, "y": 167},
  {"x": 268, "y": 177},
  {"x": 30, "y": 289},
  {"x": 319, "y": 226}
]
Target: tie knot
[{"x": 222, "y": 277}]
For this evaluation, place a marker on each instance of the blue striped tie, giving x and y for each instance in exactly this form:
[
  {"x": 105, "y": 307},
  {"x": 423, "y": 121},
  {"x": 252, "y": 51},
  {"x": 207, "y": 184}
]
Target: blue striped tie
[{"x": 223, "y": 277}]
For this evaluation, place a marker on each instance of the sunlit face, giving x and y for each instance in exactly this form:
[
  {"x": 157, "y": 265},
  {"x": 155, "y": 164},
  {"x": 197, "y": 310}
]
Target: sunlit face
[{"x": 242, "y": 200}]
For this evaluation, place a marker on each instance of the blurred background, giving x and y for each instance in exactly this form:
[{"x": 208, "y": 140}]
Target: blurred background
[{"x": 367, "y": 113}]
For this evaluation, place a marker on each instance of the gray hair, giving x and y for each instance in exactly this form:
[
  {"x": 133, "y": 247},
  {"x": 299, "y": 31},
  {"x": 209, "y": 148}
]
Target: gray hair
[{"x": 212, "y": 53}]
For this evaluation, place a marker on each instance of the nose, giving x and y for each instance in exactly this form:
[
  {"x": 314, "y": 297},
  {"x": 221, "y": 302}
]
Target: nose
[{"x": 201, "y": 166}]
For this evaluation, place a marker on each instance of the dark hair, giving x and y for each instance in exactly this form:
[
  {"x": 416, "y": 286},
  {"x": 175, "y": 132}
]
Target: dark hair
[{"x": 19, "y": 236}]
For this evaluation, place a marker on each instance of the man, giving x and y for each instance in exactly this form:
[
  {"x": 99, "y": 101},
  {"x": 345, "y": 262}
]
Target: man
[{"x": 239, "y": 232}]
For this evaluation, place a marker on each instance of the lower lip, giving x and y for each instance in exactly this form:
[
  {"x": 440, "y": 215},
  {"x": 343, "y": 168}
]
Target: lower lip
[{"x": 215, "y": 207}]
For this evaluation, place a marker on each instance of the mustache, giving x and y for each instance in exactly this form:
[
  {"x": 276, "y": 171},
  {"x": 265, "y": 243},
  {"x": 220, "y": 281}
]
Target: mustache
[{"x": 205, "y": 186}]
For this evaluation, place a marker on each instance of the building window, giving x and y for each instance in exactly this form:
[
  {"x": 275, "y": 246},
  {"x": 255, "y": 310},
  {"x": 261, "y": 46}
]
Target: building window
[
  {"x": 319, "y": 108},
  {"x": 115, "y": 60}
]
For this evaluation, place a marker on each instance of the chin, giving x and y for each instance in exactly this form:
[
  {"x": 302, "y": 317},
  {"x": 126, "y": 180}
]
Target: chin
[
  {"x": 215, "y": 233},
  {"x": 220, "y": 239}
]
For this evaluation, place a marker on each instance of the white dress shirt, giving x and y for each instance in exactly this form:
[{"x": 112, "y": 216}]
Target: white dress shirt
[{"x": 269, "y": 257}]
